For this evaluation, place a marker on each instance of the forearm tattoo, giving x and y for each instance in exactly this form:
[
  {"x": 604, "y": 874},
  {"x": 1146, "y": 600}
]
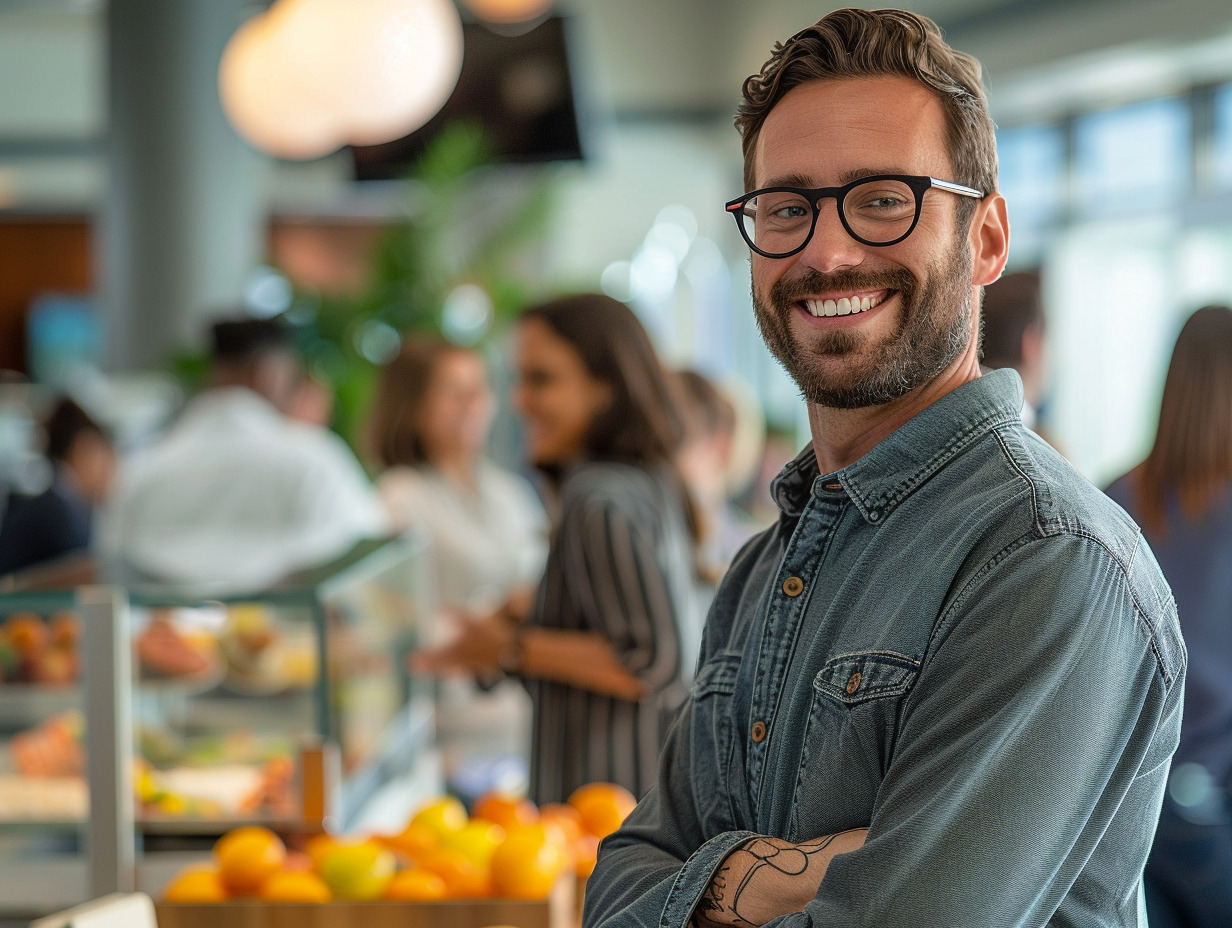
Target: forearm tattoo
[{"x": 736, "y": 895}]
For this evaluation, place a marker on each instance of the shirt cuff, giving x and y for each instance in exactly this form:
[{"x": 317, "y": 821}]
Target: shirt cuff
[{"x": 695, "y": 876}]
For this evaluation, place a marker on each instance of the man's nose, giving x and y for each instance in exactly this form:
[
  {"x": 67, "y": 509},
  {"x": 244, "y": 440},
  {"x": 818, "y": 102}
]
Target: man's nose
[{"x": 831, "y": 248}]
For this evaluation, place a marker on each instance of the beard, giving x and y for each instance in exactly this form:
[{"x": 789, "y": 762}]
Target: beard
[{"x": 933, "y": 330}]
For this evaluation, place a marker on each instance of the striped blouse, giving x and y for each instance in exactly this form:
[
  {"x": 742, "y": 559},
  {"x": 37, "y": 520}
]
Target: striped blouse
[{"x": 621, "y": 563}]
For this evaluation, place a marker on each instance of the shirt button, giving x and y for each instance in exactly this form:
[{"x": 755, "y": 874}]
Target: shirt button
[
  {"x": 834, "y": 486},
  {"x": 853, "y": 683},
  {"x": 759, "y": 732},
  {"x": 793, "y": 586}
]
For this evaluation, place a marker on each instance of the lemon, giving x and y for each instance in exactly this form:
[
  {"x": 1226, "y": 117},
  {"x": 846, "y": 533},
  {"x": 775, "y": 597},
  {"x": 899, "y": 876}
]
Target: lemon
[{"x": 358, "y": 871}]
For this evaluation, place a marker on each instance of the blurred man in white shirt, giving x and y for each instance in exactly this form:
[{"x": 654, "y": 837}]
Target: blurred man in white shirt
[{"x": 236, "y": 494}]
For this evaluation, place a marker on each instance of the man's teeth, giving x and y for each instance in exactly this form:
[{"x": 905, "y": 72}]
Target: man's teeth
[{"x": 843, "y": 307}]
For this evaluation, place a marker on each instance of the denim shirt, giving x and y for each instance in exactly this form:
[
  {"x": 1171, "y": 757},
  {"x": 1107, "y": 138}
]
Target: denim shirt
[{"x": 956, "y": 642}]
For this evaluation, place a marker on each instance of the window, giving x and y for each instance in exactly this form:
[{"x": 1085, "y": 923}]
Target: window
[
  {"x": 1132, "y": 160},
  {"x": 1222, "y": 147},
  {"x": 1033, "y": 174}
]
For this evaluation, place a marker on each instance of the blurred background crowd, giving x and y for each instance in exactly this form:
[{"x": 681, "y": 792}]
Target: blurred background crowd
[{"x": 237, "y": 335}]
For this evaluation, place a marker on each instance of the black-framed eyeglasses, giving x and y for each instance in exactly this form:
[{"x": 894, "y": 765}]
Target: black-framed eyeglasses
[{"x": 884, "y": 209}]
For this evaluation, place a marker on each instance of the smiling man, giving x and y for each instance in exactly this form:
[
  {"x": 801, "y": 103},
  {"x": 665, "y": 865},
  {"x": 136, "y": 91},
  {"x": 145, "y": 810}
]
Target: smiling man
[{"x": 944, "y": 689}]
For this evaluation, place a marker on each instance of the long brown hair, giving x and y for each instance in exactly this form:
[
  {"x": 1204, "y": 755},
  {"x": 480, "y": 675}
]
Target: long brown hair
[
  {"x": 643, "y": 424},
  {"x": 1192, "y": 454},
  {"x": 393, "y": 428},
  {"x": 856, "y": 43}
]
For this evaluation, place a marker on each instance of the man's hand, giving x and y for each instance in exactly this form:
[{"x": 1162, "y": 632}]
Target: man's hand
[{"x": 768, "y": 877}]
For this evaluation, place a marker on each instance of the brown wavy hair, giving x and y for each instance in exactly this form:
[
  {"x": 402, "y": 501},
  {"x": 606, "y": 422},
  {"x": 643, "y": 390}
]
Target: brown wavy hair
[
  {"x": 855, "y": 43},
  {"x": 393, "y": 436},
  {"x": 643, "y": 425},
  {"x": 1192, "y": 454}
]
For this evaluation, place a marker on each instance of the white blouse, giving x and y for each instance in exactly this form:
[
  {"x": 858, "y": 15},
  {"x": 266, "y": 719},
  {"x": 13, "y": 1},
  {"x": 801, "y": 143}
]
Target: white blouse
[{"x": 485, "y": 540}]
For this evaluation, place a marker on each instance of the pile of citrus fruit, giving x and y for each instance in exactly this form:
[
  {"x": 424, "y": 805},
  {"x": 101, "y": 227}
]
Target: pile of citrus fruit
[{"x": 507, "y": 847}]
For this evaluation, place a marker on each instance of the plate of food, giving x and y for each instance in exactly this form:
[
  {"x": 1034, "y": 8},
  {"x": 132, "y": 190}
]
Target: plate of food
[{"x": 169, "y": 654}]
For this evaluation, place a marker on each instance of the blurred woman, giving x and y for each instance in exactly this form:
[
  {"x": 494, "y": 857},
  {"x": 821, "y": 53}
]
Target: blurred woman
[
  {"x": 1180, "y": 496},
  {"x": 612, "y": 635},
  {"x": 428, "y": 431},
  {"x": 486, "y": 532}
]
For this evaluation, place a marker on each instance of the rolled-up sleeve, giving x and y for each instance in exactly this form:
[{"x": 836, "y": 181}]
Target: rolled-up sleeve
[{"x": 654, "y": 870}]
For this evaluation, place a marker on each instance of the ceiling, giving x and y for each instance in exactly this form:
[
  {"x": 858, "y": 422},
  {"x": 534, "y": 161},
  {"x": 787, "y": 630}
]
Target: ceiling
[{"x": 682, "y": 61}]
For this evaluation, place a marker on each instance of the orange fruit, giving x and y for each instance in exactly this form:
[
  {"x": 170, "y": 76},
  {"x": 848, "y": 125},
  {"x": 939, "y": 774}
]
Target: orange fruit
[
  {"x": 564, "y": 817},
  {"x": 416, "y": 885},
  {"x": 358, "y": 871},
  {"x": 505, "y": 810},
  {"x": 602, "y": 807},
  {"x": 528, "y": 863},
  {"x": 441, "y": 816},
  {"x": 295, "y": 886},
  {"x": 247, "y": 857},
  {"x": 478, "y": 841},
  {"x": 585, "y": 854},
  {"x": 196, "y": 884},
  {"x": 416, "y": 840},
  {"x": 464, "y": 878},
  {"x": 28, "y": 634}
]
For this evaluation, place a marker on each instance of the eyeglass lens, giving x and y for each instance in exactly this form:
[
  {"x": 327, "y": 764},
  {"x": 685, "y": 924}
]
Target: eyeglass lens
[{"x": 877, "y": 211}]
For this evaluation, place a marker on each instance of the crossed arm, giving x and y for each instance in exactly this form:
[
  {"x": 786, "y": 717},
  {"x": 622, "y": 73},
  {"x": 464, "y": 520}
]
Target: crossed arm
[{"x": 768, "y": 877}]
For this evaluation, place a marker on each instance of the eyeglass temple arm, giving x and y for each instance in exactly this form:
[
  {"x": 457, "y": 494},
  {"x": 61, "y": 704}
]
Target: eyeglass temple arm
[{"x": 957, "y": 188}]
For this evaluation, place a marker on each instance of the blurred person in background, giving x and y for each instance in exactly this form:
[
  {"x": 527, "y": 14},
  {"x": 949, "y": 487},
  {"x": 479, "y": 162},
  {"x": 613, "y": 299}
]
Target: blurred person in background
[
  {"x": 1181, "y": 495},
  {"x": 427, "y": 433},
  {"x": 605, "y": 650},
  {"x": 236, "y": 494},
  {"x": 707, "y": 462},
  {"x": 486, "y": 529},
  {"x": 60, "y": 520},
  {"x": 1013, "y": 334},
  {"x": 311, "y": 402}
]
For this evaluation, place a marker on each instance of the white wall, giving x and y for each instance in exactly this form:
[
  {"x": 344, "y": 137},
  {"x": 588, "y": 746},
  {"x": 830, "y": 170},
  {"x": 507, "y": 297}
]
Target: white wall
[{"x": 51, "y": 77}]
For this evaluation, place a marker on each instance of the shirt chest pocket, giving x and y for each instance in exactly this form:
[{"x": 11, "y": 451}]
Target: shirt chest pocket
[
  {"x": 849, "y": 739},
  {"x": 712, "y": 734}
]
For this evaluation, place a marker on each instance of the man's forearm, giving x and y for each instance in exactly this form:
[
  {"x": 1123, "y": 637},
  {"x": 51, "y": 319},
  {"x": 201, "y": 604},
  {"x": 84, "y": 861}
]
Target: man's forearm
[{"x": 768, "y": 877}]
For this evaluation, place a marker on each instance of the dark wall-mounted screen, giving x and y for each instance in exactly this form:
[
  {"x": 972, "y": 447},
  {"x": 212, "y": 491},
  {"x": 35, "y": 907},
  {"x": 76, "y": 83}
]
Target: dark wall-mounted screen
[{"x": 518, "y": 87}]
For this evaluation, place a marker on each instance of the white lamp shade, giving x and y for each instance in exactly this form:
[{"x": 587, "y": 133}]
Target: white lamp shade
[
  {"x": 382, "y": 67},
  {"x": 310, "y": 75},
  {"x": 508, "y": 11},
  {"x": 264, "y": 101}
]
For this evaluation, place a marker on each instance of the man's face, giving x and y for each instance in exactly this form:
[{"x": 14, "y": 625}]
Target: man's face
[{"x": 826, "y": 133}]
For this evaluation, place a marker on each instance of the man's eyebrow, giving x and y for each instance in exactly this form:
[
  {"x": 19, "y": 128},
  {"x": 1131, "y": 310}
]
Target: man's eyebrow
[
  {"x": 790, "y": 180},
  {"x": 846, "y": 177}
]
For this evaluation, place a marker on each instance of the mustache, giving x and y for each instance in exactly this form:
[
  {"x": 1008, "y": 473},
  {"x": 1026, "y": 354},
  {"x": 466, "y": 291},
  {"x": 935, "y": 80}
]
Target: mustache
[{"x": 811, "y": 282}]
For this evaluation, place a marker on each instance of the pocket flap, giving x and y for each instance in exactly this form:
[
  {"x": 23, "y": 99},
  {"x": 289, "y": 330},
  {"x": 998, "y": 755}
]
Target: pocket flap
[
  {"x": 718, "y": 675},
  {"x": 857, "y": 678}
]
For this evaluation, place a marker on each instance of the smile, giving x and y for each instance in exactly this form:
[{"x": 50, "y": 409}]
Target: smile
[{"x": 845, "y": 305}]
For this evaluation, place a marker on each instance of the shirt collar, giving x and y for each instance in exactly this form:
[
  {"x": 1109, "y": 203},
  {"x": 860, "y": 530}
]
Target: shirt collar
[{"x": 902, "y": 461}]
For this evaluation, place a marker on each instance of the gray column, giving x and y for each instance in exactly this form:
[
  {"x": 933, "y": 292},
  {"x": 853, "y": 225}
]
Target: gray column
[
  {"x": 183, "y": 214},
  {"x": 108, "y": 697}
]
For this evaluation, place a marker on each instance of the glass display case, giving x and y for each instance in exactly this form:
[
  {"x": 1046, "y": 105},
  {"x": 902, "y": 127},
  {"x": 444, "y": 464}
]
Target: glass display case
[{"x": 289, "y": 706}]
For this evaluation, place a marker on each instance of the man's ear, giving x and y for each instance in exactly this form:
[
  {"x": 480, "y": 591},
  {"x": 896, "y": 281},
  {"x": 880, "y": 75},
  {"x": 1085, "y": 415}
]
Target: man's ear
[{"x": 990, "y": 240}]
